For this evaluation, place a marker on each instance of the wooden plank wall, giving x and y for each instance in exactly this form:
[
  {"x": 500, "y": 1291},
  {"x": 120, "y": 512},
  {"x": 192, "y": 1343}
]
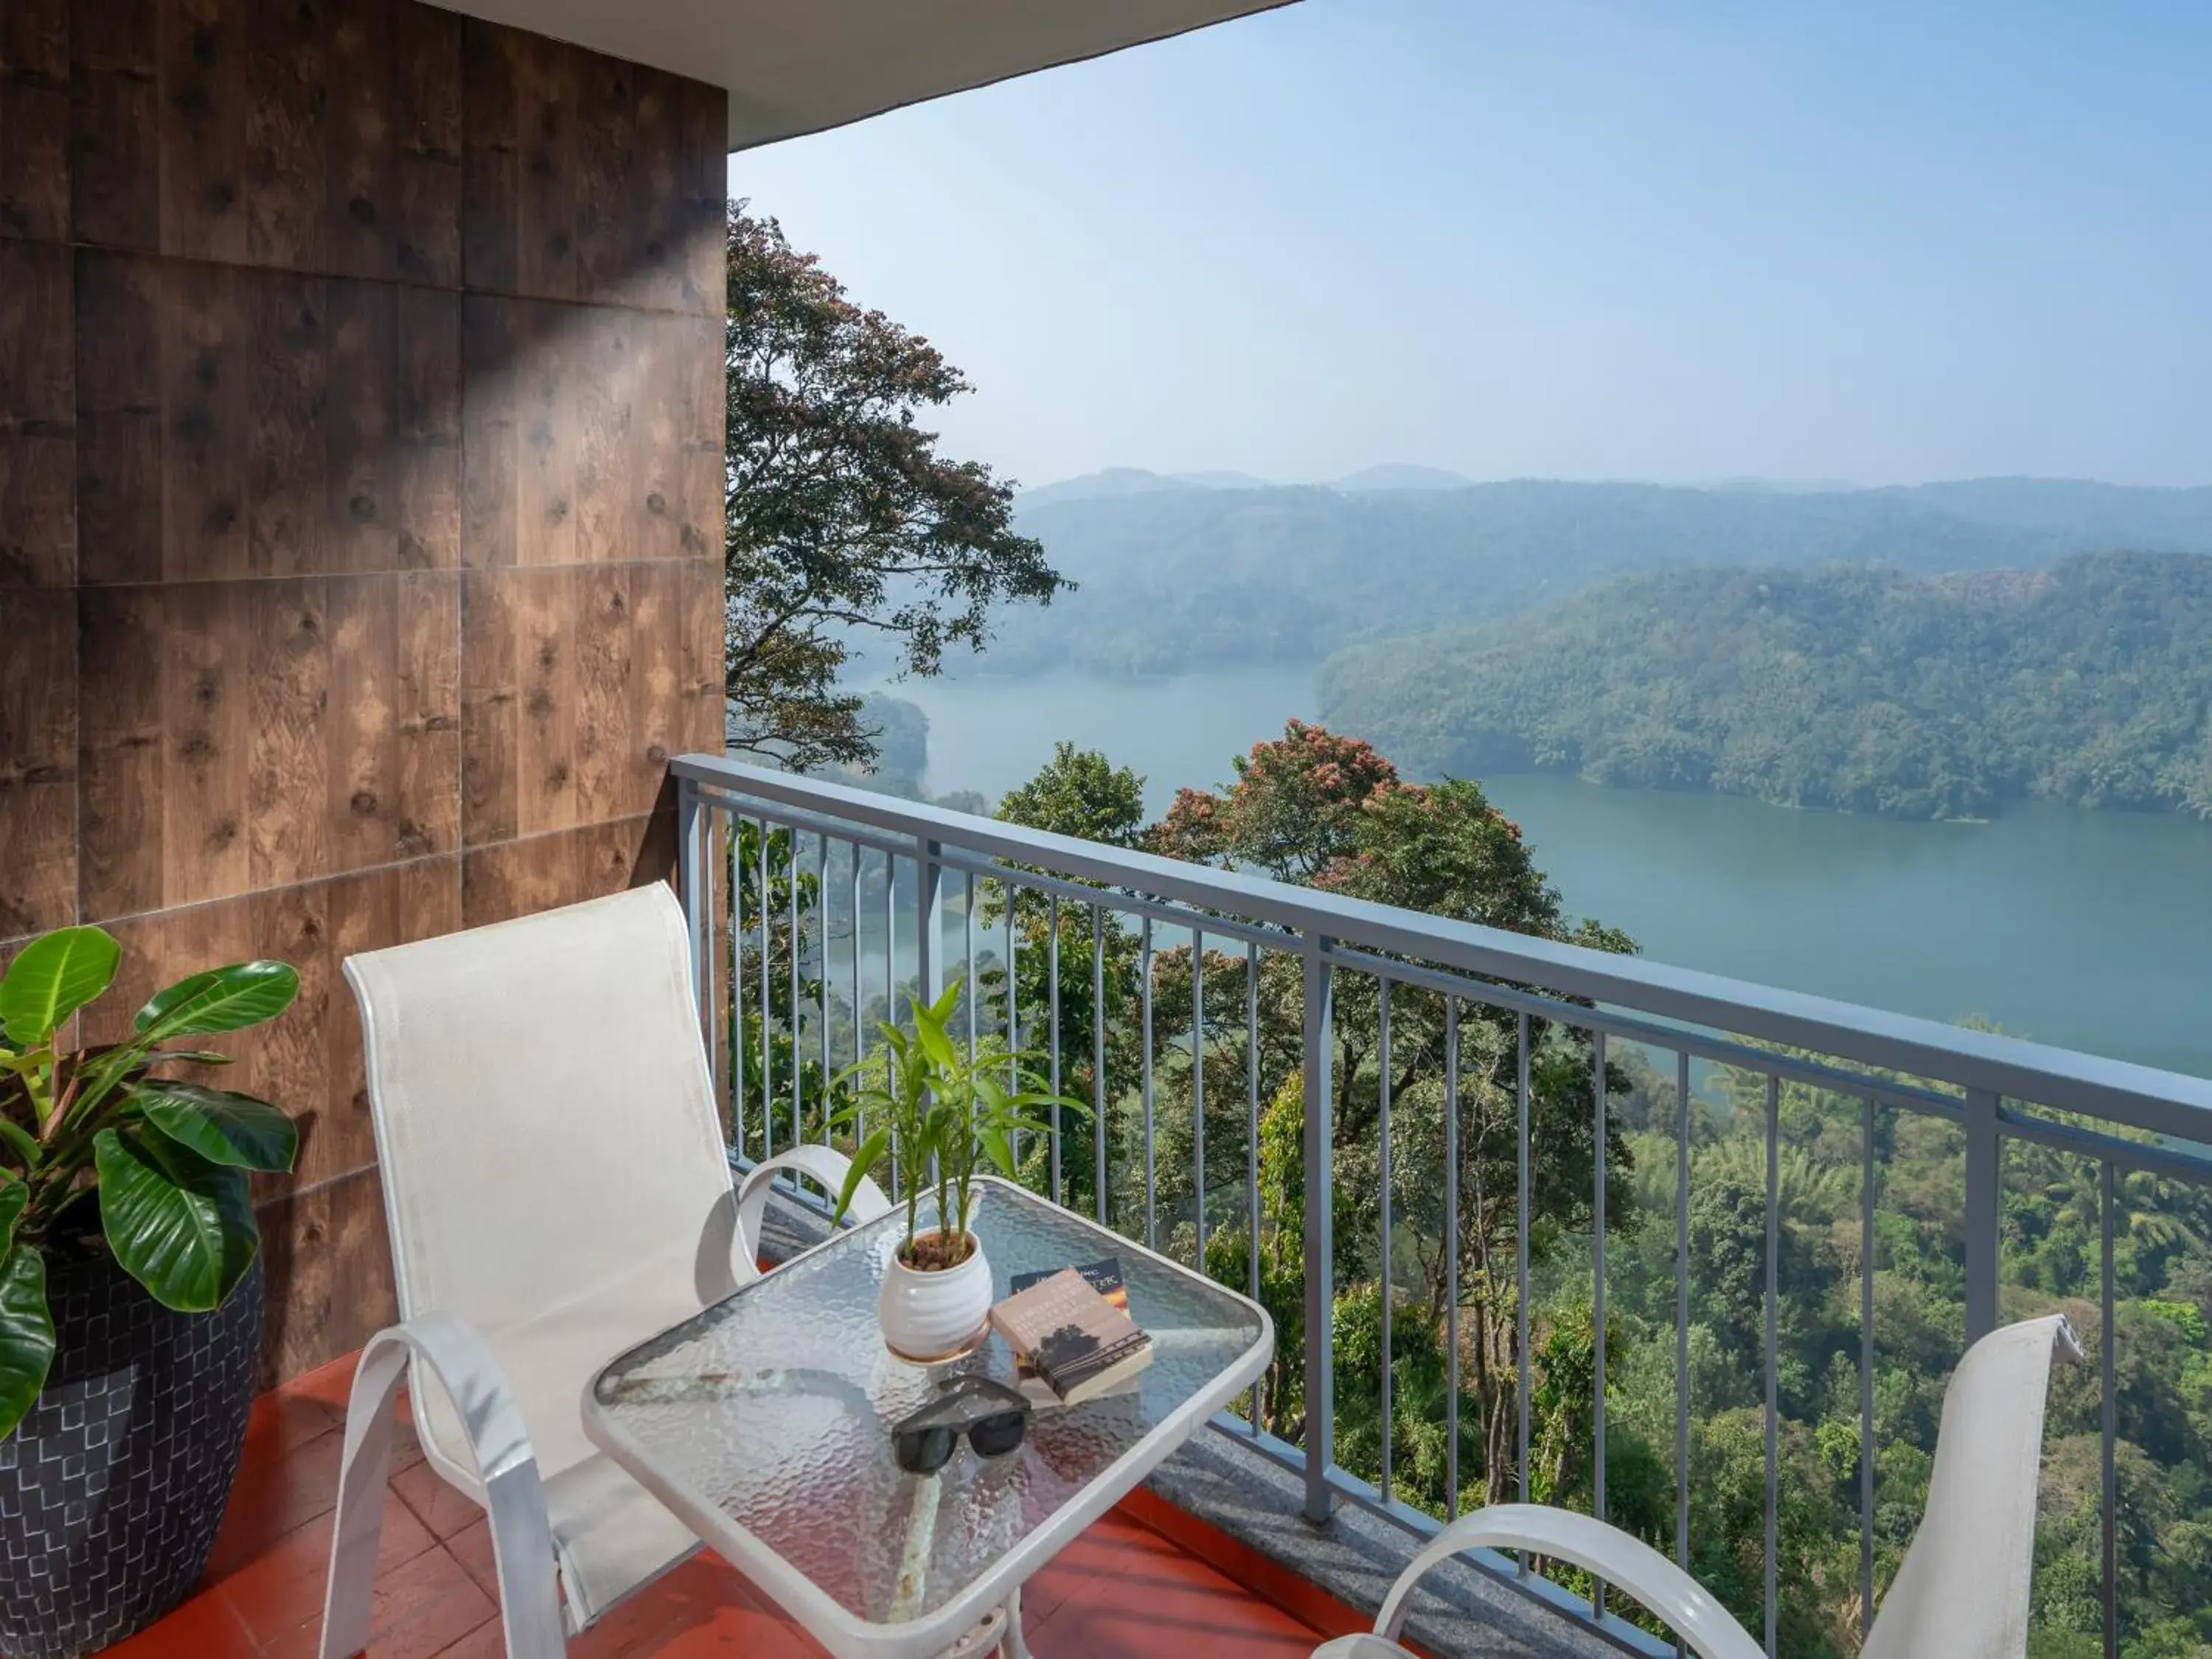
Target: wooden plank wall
[{"x": 360, "y": 439}]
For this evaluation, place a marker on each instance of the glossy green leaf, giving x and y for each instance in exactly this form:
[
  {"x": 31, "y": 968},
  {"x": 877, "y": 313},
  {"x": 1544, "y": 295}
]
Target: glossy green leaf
[
  {"x": 25, "y": 1144},
  {"x": 930, "y": 1034},
  {"x": 864, "y": 1159},
  {"x": 27, "y": 1334},
  {"x": 220, "y": 999},
  {"x": 223, "y": 1127},
  {"x": 51, "y": 978},
  {"x": 947, "y": 1003},
  {"x": 179, "y": 1226},
  {"x": 13, "y": 1196}
]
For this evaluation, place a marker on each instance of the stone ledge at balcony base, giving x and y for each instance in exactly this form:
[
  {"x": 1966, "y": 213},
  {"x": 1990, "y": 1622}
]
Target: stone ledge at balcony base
[{"x": 1218, "y": 1498}]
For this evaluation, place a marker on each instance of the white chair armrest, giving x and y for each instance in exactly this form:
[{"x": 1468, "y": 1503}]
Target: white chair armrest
[
  {"x": 825, "y": 1166},
  {"x": 446, "y": 1348},
  {"x": 1592, "y": 1545}
]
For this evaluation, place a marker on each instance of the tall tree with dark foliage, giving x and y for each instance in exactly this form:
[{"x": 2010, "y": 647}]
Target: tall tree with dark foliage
[{"x": 845, "y": 525}]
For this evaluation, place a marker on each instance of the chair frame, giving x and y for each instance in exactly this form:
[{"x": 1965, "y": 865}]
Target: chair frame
[
  {"x": 446, "y": 1351},
  {"x": 1706, "y": 1627}
]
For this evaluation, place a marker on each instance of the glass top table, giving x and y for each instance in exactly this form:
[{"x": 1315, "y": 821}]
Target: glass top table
[{"x": 764, "y": 1421}]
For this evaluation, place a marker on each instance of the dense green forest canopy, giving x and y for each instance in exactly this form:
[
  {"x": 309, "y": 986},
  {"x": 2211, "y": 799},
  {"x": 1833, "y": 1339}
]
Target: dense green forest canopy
[
  {"x": 1178, "y": 576},
  {"x": 2089, "y": 683}
]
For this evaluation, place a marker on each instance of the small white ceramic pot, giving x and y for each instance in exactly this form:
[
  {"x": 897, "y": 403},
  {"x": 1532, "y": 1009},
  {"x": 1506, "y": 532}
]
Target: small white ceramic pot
[{"x": 934, "y": 1316}]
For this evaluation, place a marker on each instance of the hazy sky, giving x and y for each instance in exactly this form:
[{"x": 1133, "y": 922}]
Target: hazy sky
[{"x": 1675, "y": 240}]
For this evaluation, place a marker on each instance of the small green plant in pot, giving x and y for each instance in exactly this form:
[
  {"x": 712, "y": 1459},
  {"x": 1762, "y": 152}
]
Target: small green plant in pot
[
  {"x": 940, "y": 1113},
  {"x": 130, "y": 1295}
]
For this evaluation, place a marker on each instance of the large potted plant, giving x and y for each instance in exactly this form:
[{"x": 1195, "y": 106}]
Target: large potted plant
[
  {"x": 131, "y": 1291},
  {"x": 938, "y": 1110}
]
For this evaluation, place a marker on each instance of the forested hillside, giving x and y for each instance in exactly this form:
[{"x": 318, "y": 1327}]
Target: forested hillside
[
  {"x": 1173, "y": 578},
  {"x": 2089, "y": 683}
]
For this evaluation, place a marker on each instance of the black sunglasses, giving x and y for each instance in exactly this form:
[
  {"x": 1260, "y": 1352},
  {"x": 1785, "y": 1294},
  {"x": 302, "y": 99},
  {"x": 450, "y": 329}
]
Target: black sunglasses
[{"x": 993, "y": 1416}]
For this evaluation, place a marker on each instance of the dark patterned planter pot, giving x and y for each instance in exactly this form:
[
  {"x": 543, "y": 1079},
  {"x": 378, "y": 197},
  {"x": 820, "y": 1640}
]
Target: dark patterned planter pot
[{"x": 112, "y": 1489}]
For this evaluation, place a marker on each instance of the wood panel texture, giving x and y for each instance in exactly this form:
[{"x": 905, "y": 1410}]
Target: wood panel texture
[
  {"x": 592, "y": 434},
  {"x": 241, "y": 422},
  {"x": 589, "y": 179},
  {"x": 35, "y": 119},
  {"x": 360, "y": 442},
  {"x": 38, "y": 417}
]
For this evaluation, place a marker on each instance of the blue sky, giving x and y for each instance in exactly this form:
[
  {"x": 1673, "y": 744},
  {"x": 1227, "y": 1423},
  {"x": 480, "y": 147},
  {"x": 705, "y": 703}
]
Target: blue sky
[{"x": 1663, "y": 239}]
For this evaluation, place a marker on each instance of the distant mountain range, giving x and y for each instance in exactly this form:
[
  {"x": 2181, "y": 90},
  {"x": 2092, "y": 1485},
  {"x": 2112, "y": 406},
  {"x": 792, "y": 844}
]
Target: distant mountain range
[
  {"x": 1177, "y": 575},
  {"x": 1135, "y": 481}
]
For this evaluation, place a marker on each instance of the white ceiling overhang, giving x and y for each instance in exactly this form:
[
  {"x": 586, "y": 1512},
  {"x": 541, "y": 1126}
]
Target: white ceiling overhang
[{"x": 798, "y": 66}]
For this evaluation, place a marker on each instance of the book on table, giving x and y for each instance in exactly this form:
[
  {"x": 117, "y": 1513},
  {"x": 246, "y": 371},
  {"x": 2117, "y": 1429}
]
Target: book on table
[{"x": 1071, "y": 1334}]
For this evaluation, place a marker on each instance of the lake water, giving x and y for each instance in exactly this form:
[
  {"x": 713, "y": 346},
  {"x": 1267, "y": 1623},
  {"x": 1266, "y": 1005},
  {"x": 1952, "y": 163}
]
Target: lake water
[{"x": 2091, "y": 930}]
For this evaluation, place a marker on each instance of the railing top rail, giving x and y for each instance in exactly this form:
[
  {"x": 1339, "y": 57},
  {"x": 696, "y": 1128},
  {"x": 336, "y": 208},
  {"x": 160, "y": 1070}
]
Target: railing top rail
[{"x": 2142, "y": 1097}]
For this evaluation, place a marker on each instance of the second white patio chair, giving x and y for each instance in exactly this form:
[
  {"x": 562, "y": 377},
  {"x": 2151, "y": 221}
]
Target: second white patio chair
[
  {"x": 1961, "y": 1593},
  {"x": 557, "y": 1191}
]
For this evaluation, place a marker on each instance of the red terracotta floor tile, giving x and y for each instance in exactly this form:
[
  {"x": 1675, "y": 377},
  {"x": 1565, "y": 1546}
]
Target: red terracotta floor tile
[
  {"x": 471, "y": 1547},
  {"x": 1143, "y": 1627},
  {"x": 283, "y": 1419},
  {"x": 484, "y": 1642},
  {"x": 280, "y": 1489},
  {"x": 1134, "y": 1593},
  {"x": 204, "y": 1628},
  {"x": 726, "y": 1631},
  {"x": 705, "y": 1594},
  {"x": 439, "y": 1505},
  {"x": 423, "y": 1607},
  {"x": 329, "y": 1385},
  {"x": 283, "y": 1586}
]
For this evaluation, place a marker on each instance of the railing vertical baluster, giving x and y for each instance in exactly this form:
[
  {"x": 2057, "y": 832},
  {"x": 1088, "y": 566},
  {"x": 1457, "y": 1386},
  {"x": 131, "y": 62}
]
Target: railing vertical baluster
[
  {"x": 971, "y": 992},
  {"x": 929, "y": 921},
  {"x": 1597, "y": 1299},
  {"x": 2108, "y": 1425},
  {"x": 1197, "y": 1089},
  {"x": 1145, "y": 1013},
  {"x": 1013, "y": 1014},
  {"x": 1866, "y": 1368},
  {"x": 1982, "y": 1180},
  {"x": 1773, "y": 1299},
  {"x": 767, "y": 973},
  {"x": 1318, "y": 1018},
  {"x": 693, "y": 882},
  {"x": 738, "y": 984},
  {"x": 1520, "y": 1264},
  {"x": 928, "y": 945},
  {"x": 1252, "y": 1138},
  {"x": 822, "y": 962},
  {"x": 1382, "y": 1148},
  {"x": 1051, "y": 980},
  {"x": 1098, "y": 1055},
  {"x": 1451, "y": 1258},
  {"x": 798, "y": 1067},
  {"x": 860, "y": 1014},
  {"x": 890, "y": 973},
  {"x": 1682, "y": 1317}
]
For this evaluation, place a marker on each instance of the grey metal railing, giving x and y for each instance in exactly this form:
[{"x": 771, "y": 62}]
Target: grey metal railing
[{"x": 862, "y": 921}]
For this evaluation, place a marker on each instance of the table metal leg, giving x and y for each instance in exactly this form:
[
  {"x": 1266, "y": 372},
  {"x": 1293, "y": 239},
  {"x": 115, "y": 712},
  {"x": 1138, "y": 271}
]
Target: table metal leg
[{"x": 1014, "y": 1645}]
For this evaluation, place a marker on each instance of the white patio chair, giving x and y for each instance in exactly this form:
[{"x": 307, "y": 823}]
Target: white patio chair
[
  {"x": 557, "y": 1191},
  {"x": 1961, "y": 1592}
]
